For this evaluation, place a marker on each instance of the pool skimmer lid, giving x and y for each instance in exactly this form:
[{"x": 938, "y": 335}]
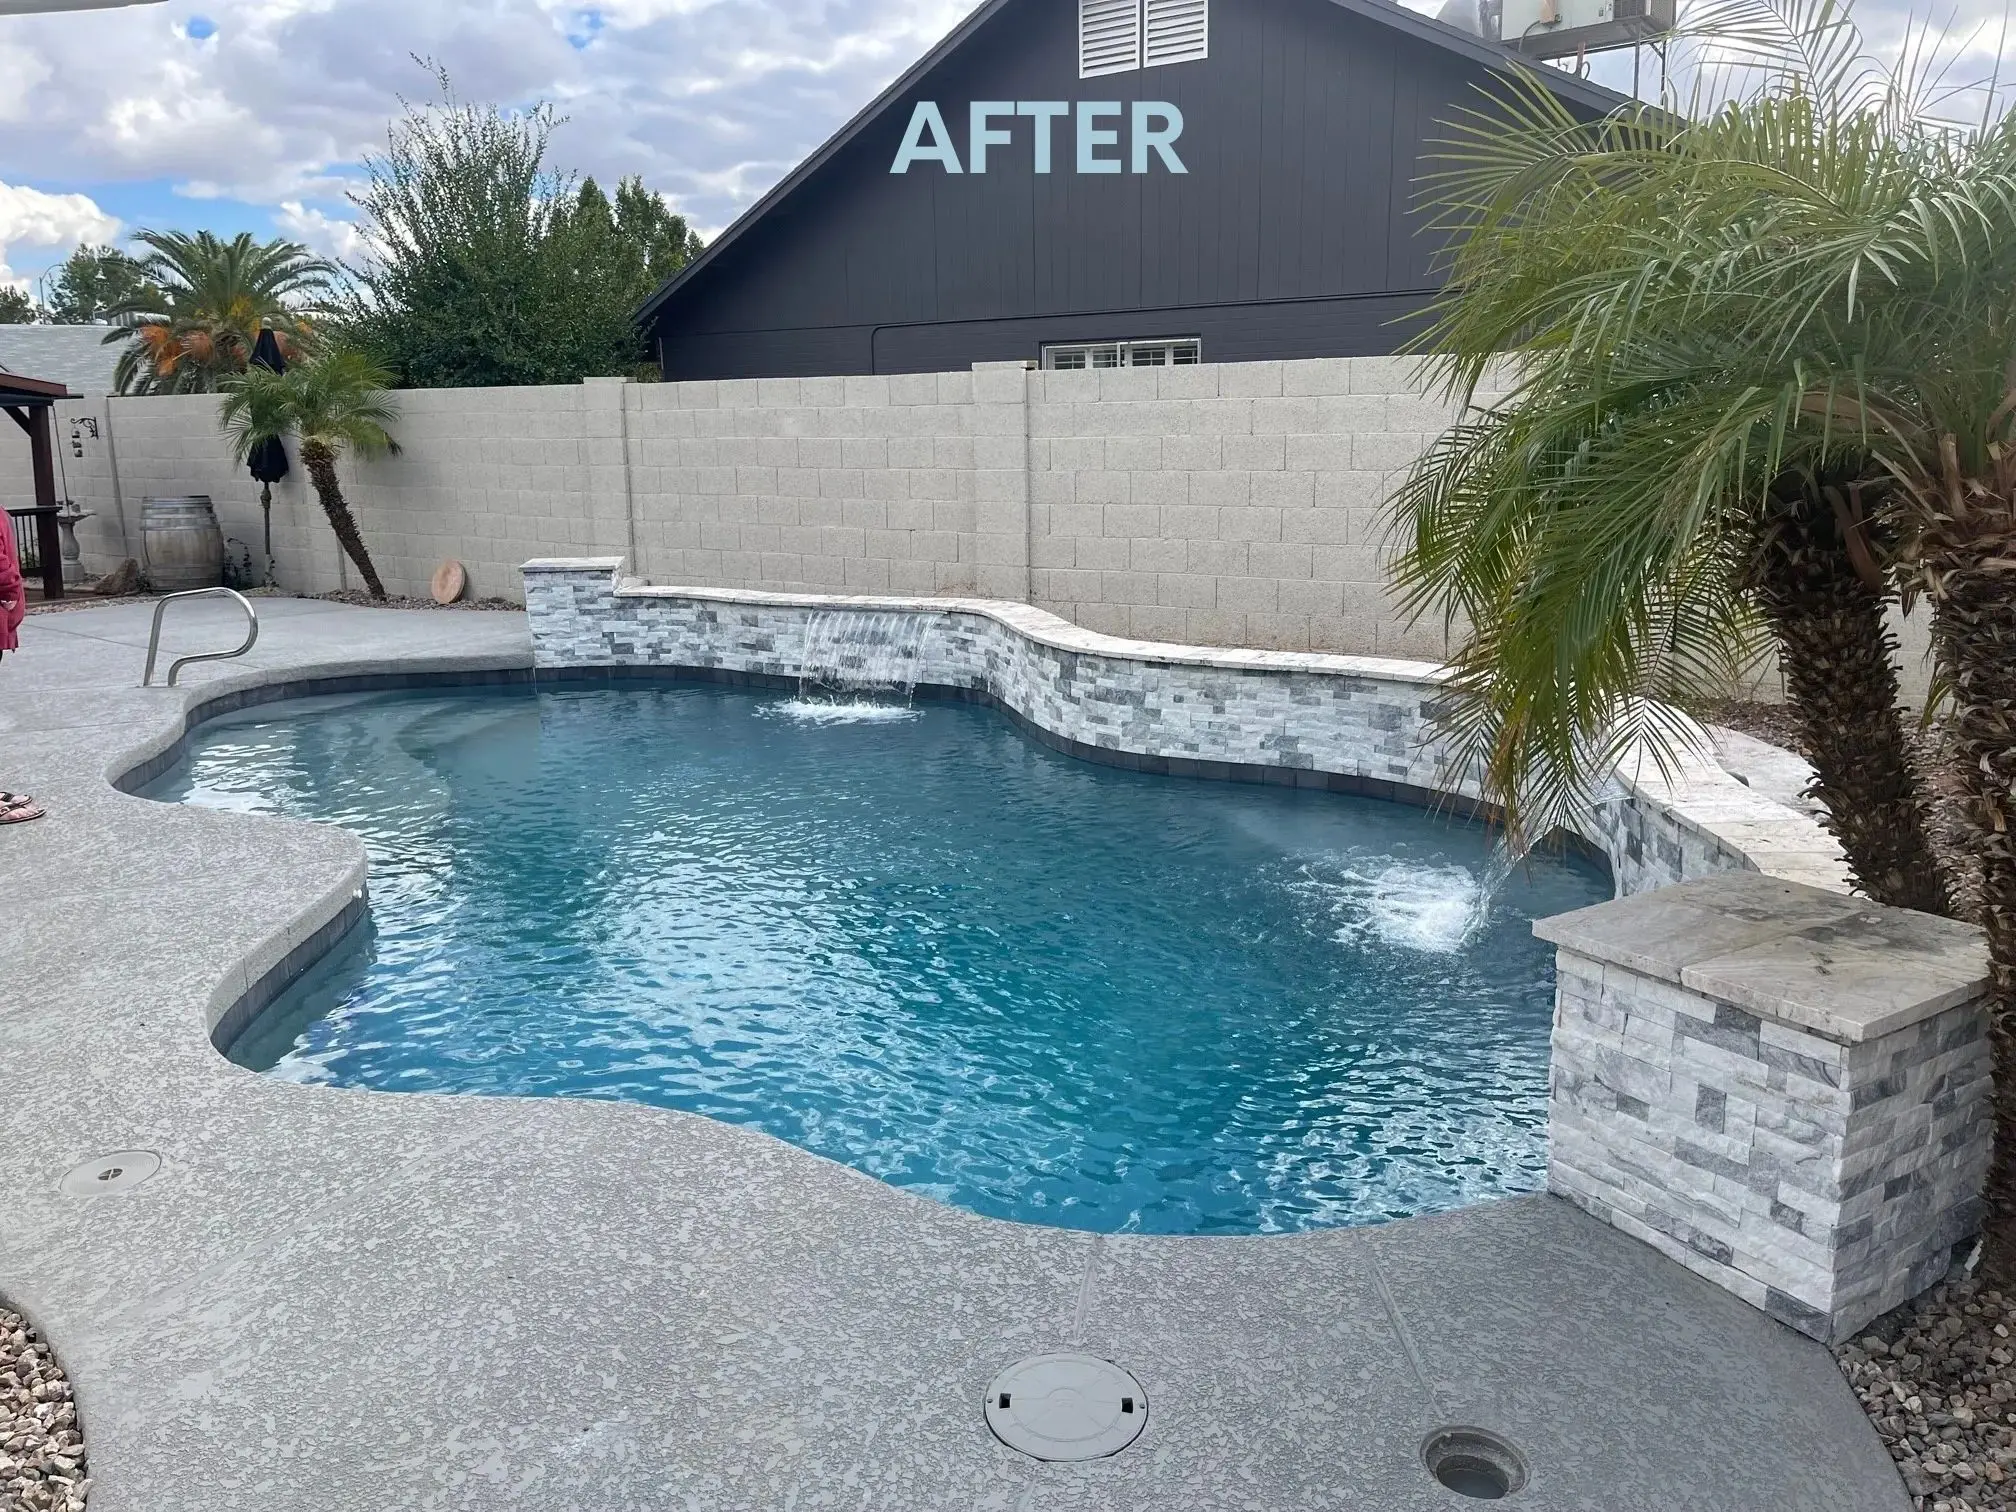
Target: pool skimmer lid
[{"x": 1063, "y": 1407}]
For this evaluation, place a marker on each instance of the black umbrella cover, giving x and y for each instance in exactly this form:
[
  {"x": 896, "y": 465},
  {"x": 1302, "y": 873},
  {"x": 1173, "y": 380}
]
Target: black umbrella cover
[
  {"x": 266, "y": 352},
  {"x": 268, "y": 462}
]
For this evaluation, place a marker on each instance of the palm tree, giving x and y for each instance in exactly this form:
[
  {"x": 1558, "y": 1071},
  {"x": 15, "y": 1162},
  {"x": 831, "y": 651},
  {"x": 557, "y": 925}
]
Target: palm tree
[
  {"x": 334, "y": 403},
  {"x": 1604, "y": 581},
  {"x": 1760, "y": 356},
  {"x": 198, "y": 313}
]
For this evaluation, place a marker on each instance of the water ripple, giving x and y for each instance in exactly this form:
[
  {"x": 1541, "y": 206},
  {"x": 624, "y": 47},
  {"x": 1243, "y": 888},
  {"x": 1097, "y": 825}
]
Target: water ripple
[{"x": 923, "y": 945}]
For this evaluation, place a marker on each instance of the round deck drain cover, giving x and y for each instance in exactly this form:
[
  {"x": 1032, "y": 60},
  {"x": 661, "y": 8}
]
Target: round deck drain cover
[
  {"x": 121, "y": 1171},
  {"x": 1066, "y": 1407},
  {"x": 1474, "y": 1462}
]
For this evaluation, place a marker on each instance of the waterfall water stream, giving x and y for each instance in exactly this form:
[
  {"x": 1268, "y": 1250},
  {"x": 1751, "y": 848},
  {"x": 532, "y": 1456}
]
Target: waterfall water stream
[{"x": 852, "y": 661}]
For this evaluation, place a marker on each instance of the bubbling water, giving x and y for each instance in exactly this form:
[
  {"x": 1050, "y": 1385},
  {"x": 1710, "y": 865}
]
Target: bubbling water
[
  {"x": 818, "y": 711},
  {"x": 1436, "y": 909}
]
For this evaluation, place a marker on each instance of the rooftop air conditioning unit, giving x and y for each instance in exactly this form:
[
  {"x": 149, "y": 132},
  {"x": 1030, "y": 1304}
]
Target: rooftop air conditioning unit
[{"x": 1563, "y": 28}]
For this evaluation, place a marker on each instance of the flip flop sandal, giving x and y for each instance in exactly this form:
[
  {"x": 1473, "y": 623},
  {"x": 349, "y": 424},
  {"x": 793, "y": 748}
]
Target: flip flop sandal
[{"x": 21, "y": 813}]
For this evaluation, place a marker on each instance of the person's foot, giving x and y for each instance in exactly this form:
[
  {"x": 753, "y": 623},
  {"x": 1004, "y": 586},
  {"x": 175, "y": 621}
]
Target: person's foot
[{"x": 19, "y": 808}]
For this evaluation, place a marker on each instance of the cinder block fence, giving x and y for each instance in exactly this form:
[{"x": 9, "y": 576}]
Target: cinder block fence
[{"x": 1219, "y": 504}]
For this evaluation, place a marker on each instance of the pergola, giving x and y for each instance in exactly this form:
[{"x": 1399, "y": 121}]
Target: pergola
[{"x": 31, "y": 401}]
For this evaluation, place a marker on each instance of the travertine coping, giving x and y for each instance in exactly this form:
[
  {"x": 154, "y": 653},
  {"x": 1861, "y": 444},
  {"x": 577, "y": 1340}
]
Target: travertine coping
[
  {"x": 1039, "y": 625},
  {"x": 1841, "y": 967}
]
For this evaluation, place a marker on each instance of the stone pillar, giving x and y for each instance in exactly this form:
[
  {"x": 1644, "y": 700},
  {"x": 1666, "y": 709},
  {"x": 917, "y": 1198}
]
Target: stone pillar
[
  {"x": 1783, "y": 1089},
  {"x": 570, "y": 611}
]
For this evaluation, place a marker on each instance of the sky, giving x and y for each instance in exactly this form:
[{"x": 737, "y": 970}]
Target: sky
[{"x": 256, "y": 115}]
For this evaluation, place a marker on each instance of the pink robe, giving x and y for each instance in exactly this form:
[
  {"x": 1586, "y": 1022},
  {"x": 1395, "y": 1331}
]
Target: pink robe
[{"x": 13, "y": 593}]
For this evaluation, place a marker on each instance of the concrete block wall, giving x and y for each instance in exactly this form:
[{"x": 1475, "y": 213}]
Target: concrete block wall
[
  {"x": 1223, "y": 504},
  {"x": 1239, "y": 504},
  {"x": 1219, "y": 504},
  {"x": 487, "y": 476},
  {"x": 852, "y": 485}
]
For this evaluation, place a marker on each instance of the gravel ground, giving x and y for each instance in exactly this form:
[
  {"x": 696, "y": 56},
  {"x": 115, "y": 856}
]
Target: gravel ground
[
  {"x": 364, "y": 600},
  {"x": 1938, "y": 1379},
  {"x": 41, "y": 1444}
]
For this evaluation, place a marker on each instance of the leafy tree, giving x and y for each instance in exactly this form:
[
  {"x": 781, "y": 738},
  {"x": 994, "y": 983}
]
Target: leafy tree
[
  {"x": 16, "y": 308},
  {"x": 334, "y": 403},
  {"x": 1817, "y": 322},
  {"x": 202, "y": 304},
  {"x": 94, "y": 281},
  {"x": 489, "y": 267},
  {"x": 646, "y": 223},
  {"x": 604, "y": 260}
]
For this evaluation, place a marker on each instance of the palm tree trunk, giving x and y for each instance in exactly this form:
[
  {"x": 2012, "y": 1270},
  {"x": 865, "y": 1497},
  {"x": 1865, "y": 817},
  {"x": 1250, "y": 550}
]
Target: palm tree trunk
[
  {"x": 320, "y": 461},
  {"x": 1838, "y": 657},
  {"x": 1968, "y": 556}
]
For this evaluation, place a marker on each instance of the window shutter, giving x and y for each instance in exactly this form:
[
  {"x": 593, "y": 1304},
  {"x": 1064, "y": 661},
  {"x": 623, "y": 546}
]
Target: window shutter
[
  {"x": 1109, "y": 37},
  {"x": 1178, "y": 31}
]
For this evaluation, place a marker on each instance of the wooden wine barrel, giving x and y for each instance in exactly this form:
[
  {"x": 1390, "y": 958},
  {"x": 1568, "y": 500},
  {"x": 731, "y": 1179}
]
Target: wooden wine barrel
[{"x": 182, "y": 543}]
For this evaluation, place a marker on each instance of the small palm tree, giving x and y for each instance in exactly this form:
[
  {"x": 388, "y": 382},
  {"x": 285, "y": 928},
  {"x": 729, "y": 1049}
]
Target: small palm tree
[
  {"x": 335, "y": 403},
  {"x": 1821, "y": 319},
  {"x": 1630, "y": 528},
  {"x": 203, "y": 302}
]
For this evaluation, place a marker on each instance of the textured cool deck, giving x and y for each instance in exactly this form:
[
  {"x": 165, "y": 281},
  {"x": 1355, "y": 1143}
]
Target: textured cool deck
[{"x": 348, "y": 1301}]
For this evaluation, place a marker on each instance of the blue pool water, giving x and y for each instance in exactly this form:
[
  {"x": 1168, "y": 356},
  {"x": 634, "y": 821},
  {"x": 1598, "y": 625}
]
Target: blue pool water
[{"x": 918, "y": 942}]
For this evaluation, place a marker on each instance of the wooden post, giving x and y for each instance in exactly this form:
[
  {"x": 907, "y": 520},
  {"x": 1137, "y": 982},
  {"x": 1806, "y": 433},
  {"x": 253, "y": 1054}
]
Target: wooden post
[{"x": 42, "y": 452}]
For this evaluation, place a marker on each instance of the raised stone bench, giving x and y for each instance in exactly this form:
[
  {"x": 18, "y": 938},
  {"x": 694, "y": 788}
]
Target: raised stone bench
[{"x": 1784, "y": 1089}]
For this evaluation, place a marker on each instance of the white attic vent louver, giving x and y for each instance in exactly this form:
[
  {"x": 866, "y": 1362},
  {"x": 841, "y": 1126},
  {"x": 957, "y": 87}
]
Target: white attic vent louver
[
  {"x": 1177, "y": 31},
  {"x": 1109, "y": 37}
]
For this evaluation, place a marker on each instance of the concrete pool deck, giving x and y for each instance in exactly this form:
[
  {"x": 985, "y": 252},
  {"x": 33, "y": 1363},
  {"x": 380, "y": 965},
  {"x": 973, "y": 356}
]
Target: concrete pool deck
[{"x": 336, "y": 1300}]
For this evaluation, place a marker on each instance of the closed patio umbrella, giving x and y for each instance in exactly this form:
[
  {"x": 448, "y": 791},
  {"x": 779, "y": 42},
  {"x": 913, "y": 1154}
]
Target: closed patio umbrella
[{"x": 268, "y": 462}]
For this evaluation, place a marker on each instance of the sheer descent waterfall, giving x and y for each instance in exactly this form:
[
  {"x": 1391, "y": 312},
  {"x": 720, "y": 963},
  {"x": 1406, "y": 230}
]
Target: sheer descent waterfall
[{"x": 852, "y": 651}]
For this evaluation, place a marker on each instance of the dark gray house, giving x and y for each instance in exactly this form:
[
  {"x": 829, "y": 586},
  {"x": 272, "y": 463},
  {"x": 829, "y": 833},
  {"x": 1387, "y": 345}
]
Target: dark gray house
[{"x": 1101, "y": 183}]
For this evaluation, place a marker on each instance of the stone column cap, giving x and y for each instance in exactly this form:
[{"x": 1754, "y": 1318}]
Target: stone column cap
[
  {"x": 572, "y": 564},
  {"x": 1833, "y": 965}
]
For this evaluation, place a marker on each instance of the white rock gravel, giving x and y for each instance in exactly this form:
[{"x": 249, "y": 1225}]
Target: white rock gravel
[
  {"x": 41, "y": 1443},
  {"x": 1938, "y": 1379}
]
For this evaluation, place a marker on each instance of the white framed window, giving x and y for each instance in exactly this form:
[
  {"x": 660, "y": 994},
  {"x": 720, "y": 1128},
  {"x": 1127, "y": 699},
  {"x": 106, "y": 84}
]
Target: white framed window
[
  {"x": 1164, "y": 351},
  {"x": 1119, "y": 36}
]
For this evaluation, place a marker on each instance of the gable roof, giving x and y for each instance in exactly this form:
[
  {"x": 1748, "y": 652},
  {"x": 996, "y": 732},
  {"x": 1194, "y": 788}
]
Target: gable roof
[{"x": 1423, "y": 28}]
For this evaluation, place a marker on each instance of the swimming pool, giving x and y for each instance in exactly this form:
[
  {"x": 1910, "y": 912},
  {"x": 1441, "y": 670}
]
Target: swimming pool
[{"x": 914, "y": 940}]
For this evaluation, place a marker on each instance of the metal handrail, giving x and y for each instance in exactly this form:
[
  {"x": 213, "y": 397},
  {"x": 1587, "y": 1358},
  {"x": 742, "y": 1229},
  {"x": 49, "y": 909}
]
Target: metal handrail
[{"x": 154, "y": 636}]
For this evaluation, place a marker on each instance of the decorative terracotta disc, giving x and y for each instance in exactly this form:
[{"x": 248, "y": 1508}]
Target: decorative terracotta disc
[{"x": 450, "y": 581}]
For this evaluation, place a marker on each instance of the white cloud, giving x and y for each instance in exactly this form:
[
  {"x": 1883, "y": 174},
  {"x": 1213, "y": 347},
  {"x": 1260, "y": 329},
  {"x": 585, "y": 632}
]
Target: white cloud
[
  {"x": 329, "y": 235},
  {"x": 32, "y": 218}
]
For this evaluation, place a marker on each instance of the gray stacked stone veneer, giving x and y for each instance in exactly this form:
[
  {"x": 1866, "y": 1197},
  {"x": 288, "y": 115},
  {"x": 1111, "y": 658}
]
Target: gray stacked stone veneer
[
  {"x": 1349, "y": 723},
  {"x": 1784, "y": 1089}
]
